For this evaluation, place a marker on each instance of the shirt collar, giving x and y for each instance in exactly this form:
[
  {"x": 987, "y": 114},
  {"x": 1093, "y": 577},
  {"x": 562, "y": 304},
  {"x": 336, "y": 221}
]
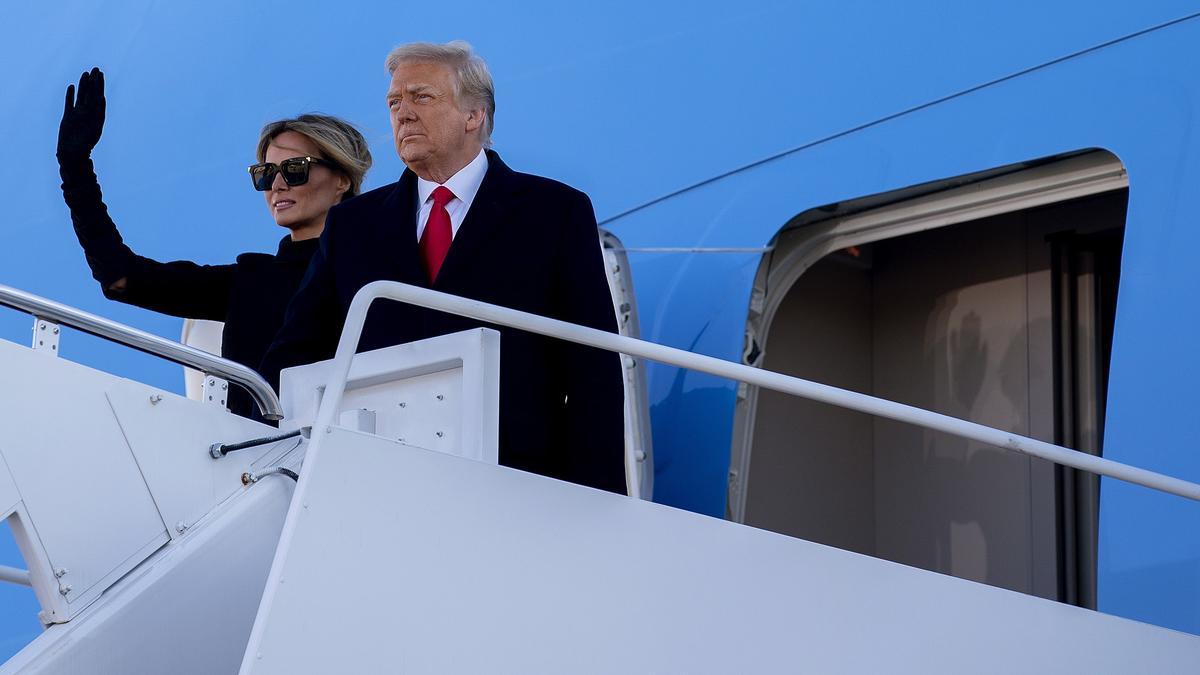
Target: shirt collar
[{"x": 463, "y": 184}]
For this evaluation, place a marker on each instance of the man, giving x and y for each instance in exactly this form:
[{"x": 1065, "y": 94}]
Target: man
[{"x": 462, "y": 222}]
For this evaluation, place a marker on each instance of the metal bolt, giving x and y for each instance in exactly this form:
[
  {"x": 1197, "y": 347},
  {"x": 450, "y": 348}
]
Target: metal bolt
[
  {"x": 41, "y": 326},
  {"x": 247, "y": 478},
  {"x": 224, "y": 387},
  {"x": 56, "y": 331},
  {"x": 180, "y": 527},
  {"x": 60, "y": 572},
  {"x": 441, "y": 397},
  {"x": 440, "y": 434},
  {"x": 403, "y": 404},
  {"x": 63, "y": 590},
  {"x": 329, "y": 430},
  {"x": 155, "y": 398}
]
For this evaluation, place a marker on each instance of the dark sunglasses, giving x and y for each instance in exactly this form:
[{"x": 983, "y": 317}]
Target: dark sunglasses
[{"x": 294, "y": 170}]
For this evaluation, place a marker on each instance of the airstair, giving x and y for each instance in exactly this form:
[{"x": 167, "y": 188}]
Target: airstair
[{"x": 375, "y": 531}]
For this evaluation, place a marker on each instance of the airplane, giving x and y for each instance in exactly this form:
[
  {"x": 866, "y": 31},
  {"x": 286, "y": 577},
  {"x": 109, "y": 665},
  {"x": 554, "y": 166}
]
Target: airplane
[{"x": 980, "y": 211}]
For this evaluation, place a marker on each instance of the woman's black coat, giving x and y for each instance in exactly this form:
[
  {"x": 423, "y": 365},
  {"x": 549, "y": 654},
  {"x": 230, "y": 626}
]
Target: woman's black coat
[{"x": 249, "y": 296}]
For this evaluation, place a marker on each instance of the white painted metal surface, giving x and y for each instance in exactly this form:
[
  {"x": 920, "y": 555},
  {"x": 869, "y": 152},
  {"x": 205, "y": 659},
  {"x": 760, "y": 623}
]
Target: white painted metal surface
[
  {"x": 170, "y": 438},
  {"x": 86, "y": 506},
  {"x": 45, "y": 336},
  {"x": 187, "y": 610},
  {"x": 204, "y": 335},
  {"x": 100, "y": 472},
  {"x": 215, "y": 391},
  {"x": 14, "y": 575},
  {"x": 489, "y": 569},
  {"x": 441, "y": 393},
  {"x": 639, "y": 446}
]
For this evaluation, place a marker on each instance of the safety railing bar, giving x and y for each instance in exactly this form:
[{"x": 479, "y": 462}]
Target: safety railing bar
[
  {"x": 15, "y": 576},
  {"x": 787, "y": 384},
  {"x": 49, "y": 310}
]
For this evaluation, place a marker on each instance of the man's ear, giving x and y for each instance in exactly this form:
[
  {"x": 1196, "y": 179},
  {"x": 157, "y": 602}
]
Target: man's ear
[
  {"x": 343, "y": 186},
  {"x": 475, "y": 119}
]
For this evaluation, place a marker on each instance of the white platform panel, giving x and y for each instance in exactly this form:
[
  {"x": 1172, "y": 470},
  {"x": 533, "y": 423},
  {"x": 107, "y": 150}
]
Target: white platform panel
[
  {"x": 465, "y": 567},
  {"x": 170, "y": 440},
  {"x": 187, "y": 610},
  {"x": 98, "y": 472},
  {"x": 441, "y": 393},
  {"x": 92, "y": 516}
]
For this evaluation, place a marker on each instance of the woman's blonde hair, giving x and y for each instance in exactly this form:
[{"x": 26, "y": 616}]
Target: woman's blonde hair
[{"x": 337, "y": 140}]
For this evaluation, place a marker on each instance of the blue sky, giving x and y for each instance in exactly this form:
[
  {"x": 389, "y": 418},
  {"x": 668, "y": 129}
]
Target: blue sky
[{"x": 625, "y": 100}]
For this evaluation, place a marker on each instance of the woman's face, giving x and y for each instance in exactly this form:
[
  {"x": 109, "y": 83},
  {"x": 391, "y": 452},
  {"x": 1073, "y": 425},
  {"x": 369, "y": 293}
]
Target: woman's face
[{"x": 302, "y": 208}]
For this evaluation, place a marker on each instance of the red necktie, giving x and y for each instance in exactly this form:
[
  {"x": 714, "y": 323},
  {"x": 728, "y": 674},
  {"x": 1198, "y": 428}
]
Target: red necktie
[{"x": 435, "y": 241}]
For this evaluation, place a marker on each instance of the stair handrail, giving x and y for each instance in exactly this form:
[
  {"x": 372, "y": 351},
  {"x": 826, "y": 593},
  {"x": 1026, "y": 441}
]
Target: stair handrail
[
  {"x": 787, "y": 384},
  {"x": 44, "y": 309}
]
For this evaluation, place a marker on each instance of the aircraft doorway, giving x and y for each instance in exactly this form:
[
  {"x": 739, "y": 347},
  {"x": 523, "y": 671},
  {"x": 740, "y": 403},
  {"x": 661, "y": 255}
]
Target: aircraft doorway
[{"x": 1004, "y": 319}]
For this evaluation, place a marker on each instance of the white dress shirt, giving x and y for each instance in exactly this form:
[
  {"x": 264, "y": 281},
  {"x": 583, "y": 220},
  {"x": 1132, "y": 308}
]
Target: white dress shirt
[{"x": 464, "y": 185}]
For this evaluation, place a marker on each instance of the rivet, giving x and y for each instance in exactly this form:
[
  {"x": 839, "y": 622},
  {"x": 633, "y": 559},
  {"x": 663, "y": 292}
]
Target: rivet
[
  {"x": 63, "y": 590},
  {"x": 155, "y": 398},
  {"x": 440, "y": 434},
  {"x": 42, "y": 326},
  {"x": 60, "y": 572},
  {"x": 180, "y": 527},
  {"x": 403, "y": 404},
  {"x": 56, "y": 331},
  {"x": 224, "y": 386},
  {"x": 441, "y": 397}
]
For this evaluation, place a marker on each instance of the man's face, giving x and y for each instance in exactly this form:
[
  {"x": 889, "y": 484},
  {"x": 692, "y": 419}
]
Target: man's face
[{"x": 433, "y": 136}]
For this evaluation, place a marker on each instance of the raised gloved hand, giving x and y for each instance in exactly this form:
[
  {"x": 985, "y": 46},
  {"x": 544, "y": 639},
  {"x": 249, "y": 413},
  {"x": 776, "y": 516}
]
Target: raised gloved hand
[{"x": 83, "y": 117}]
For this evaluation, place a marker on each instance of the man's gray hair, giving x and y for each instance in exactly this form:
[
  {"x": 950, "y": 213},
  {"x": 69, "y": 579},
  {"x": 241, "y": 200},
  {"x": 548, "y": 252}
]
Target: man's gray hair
[{"x": 472, "y": 82}]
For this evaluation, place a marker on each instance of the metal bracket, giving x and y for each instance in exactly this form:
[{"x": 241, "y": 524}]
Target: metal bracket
[
  {"x": 216, "y": 390},
  {"x": 45, "y": 336}
]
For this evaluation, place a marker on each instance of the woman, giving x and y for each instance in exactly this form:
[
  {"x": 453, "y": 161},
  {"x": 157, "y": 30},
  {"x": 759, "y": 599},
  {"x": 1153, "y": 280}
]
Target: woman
[{"x": 306, "y": 165}]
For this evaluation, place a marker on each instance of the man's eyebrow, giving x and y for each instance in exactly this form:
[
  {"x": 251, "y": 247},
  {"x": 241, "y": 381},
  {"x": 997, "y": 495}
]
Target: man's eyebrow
[{"x": 410, "y": 89}]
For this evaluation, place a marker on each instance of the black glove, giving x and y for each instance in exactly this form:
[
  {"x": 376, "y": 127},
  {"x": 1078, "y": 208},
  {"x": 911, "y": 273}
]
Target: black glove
[{"x": 83, "y": 118}]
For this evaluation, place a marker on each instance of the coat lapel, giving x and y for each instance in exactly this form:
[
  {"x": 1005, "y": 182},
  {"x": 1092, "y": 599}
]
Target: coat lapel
[
  {"x": 398, "y": 228},
  {"x": 485, "y": 219}
]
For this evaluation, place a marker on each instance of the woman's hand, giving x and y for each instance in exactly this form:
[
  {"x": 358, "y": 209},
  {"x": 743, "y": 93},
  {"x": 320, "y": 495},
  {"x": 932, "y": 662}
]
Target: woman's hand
[{"x": 83, "y": 117}]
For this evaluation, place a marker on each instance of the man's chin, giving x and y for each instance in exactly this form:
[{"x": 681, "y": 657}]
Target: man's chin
[{"x": 412, "y": 155}]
